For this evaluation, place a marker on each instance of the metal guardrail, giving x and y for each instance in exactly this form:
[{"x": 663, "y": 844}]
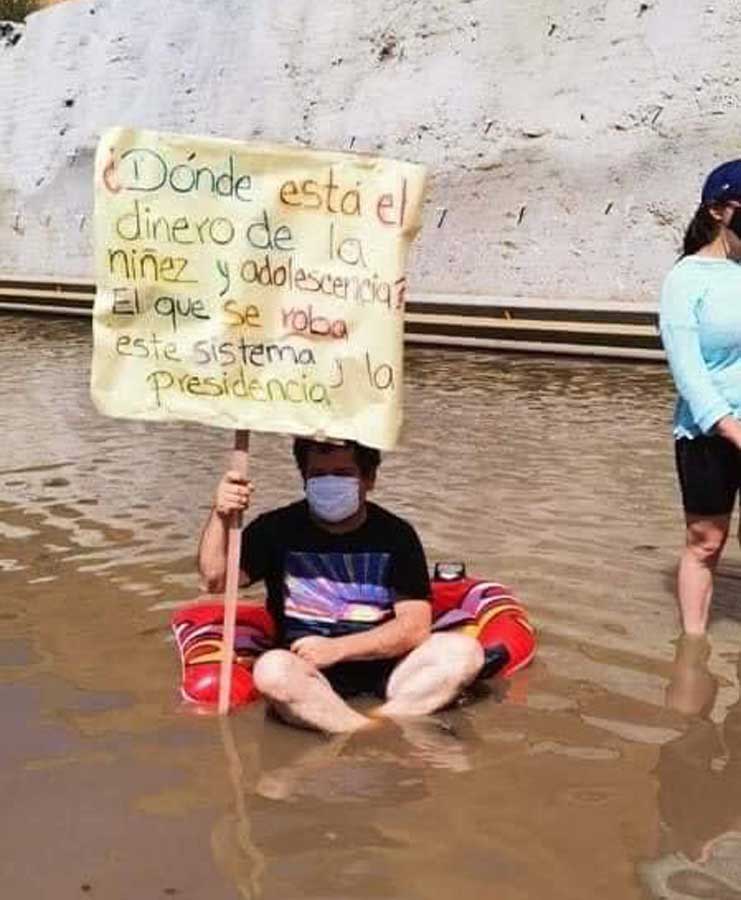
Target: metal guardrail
[
  {"x": 610, "y": 328},
  {"x": 617, "y": 329},
  {"x": 47, "y": 295}
]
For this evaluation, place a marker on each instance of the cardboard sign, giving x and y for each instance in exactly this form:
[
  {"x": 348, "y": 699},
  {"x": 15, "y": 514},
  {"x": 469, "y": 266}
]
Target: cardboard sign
[{"x": 251, "y": 286}]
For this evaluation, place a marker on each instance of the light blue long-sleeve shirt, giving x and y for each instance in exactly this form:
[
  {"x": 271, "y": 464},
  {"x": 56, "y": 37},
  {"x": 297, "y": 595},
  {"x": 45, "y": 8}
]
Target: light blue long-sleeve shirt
[{"x": 700, "y": 321}]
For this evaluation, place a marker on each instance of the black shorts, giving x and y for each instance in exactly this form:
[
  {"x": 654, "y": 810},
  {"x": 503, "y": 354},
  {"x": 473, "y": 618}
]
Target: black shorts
[
  {"x": 709, "y": 470},
  {"x": 364, "y": 676}
]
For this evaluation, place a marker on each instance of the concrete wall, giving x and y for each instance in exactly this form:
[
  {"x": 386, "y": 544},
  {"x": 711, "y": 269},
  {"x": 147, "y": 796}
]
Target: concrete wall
[{"x": 567, "y": 139}]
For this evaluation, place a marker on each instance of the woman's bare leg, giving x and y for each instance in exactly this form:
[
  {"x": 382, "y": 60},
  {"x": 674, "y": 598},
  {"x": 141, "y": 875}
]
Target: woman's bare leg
[{"x": 706, "y": 537}]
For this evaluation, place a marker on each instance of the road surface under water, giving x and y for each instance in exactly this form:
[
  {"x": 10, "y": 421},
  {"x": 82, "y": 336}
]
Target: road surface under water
[{"x": 574, "y": 780}]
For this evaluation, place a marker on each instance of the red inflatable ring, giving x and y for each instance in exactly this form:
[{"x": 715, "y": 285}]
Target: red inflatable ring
[{"x": 486, "y": 610}]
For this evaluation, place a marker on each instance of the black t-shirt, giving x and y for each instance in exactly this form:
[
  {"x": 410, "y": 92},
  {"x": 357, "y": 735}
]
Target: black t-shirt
[{"x": 333, "y": 584}]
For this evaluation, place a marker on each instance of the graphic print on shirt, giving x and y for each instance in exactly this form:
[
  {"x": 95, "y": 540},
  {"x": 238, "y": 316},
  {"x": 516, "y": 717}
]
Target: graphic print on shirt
[{"x": 336, "y": 593}]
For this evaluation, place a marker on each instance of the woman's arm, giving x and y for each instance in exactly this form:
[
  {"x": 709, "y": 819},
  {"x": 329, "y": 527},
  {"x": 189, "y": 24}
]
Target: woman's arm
[
  {"x": 680, "y": 334},
  {"x": 730, "y": 429}
]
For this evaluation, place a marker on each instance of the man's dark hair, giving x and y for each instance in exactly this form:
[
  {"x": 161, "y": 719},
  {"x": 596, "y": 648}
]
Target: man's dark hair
[{"x": 368, "y": 459}]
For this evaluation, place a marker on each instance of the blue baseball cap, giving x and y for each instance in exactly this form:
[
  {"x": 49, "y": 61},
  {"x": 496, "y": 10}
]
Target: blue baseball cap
[{"x": 723, "y": 183}]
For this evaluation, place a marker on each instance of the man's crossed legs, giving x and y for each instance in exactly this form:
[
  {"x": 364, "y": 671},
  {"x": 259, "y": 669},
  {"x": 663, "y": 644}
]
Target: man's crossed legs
[{"x": 426, "y": 680}]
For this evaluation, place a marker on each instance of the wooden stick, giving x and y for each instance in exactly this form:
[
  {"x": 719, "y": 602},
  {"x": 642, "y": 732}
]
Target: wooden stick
[{"x": 238, "y": 463}]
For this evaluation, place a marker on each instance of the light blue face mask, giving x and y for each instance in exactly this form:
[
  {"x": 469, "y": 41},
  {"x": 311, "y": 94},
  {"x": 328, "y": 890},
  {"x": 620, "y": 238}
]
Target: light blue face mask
[{"x": 333, "y": 498}]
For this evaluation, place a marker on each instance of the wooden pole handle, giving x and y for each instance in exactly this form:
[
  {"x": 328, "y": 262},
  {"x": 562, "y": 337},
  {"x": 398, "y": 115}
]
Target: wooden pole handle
[{"x": 238, "y": 463}]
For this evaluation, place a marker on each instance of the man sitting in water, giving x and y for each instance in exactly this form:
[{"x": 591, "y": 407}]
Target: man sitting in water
[{"x": 348, "y": 587}]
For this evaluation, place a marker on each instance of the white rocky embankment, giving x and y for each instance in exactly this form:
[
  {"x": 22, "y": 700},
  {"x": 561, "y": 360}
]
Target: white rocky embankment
[{"x": 566, "y": 140}]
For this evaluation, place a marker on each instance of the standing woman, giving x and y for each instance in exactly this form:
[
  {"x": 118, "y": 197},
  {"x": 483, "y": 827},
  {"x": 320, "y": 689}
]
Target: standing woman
[{"x": 700, "y": 322}]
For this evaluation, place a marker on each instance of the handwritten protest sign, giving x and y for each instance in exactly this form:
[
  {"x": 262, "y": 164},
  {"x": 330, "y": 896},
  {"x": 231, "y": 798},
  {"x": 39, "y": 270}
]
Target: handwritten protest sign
[{"x": 251, "y": 286}]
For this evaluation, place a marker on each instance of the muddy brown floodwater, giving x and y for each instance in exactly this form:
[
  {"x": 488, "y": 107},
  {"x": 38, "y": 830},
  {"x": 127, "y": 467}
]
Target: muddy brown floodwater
[{"x": 574, "y": 780}]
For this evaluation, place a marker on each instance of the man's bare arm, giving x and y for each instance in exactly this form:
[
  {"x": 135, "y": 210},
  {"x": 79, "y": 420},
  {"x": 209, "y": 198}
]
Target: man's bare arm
[
  {"x": 407, "y": 630},
  {"x": 232, "y": 495}
]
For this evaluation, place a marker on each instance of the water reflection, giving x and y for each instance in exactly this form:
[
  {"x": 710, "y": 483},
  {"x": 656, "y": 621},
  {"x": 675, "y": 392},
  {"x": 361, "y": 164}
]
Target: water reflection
[
  {"x": 692, "y": 688},
  {"x": 386, "y": 761},
  {"x": 326, "y": 803},
  {"x": 232, "y": 842},
  {"x": 699, "y": 800}
]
